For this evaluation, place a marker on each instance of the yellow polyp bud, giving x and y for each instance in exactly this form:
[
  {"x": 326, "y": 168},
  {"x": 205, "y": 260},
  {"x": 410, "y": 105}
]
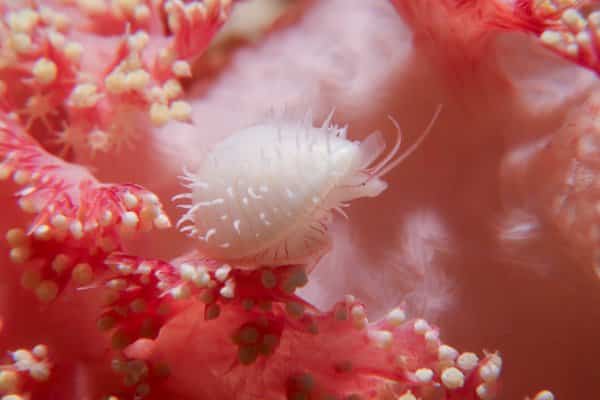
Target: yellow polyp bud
[
  {"x": 162, "y": 222},
  {"x": 137, "y": 80},
  {"x": 115, "y": 82},
  {"x": 107, "y": 218},
  {"x": 157, "y": 95},
  {"x": 407, "y": 396},
  {"x": 138, "y": 41},
  {"x": 92, "y": 6},
  {"x": 73, "y": 51},
  {"x": 76, "y": 229},
  {"x": 166, "y": 57},
  {"x": 21, "y": 42},
  {"x": 551, "y": 38},
  {"x": 23, "y": 20},
  {"x": 130, "y": 200},
  {"x": 12, "y": 397},
  {"x": 82, "y": 274},
  {"x": 141, "y": 13},
  {"x": 30, "y": 279},
  {"x": 181, "y": 110},
  {"x": 21, "y": 177},
  {"x": 44, "y": 71},
  {"x": 28, "y": 205},
  {"x": 172, "y": 89},
  {"x": 173, "y": 22},
  {"x": 57, "y": 39},
  {"x": 46, "y": 291},
  {"x": 181, "y": 69},
  {"x": 16, "y": 237},
  {"x": 98, "y": 140},
  {"x": 128, "y": 5},
  {"x": 9, "y": 380},
  {"x": 84, "y": 95},
  {"x": 5, "y": 170},
  {"x": 574, "y": 20},
  {"x": 129, "y": 219},
  {"x": 60, "y": 222},
  {"x": 19, "y": 255},
  {"x": 159, "y": 114}
]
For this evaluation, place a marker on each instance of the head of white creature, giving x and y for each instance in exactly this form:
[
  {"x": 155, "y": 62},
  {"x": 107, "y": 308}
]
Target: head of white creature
[{"x": 265, "y": 195}]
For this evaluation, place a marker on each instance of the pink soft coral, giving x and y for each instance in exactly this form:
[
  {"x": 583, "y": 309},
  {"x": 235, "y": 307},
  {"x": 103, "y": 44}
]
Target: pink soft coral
[{"x": 489, "y": 229}]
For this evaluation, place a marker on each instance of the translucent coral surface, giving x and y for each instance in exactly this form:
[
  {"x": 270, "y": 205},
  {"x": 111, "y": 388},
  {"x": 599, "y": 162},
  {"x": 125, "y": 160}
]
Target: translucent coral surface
[{"x": 473, "y": 275}]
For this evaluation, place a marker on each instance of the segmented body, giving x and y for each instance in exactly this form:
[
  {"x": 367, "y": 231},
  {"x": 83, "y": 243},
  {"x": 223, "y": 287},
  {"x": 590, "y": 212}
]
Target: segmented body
[{"x": 266, "y": 194}]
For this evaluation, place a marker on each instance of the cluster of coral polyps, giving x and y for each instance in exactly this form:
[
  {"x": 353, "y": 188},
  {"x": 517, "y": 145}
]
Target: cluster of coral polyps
[
  {"x": 570, "y": 28},
  {"x": 92, "y": 101},
  {"x": 254, "y": 337}
]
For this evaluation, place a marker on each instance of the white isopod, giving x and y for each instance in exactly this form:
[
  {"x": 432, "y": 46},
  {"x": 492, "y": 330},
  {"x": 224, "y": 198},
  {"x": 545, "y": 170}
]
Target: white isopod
[{"x": 266, "y": 194}]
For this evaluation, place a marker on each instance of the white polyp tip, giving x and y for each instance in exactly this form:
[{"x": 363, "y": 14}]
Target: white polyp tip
[
  {"x": 76, "y": 229},
  {"x": 137, "y": 80},
  {"x": 40, "y": 351},
  {"x": 421, "y": 326},
  {"x": 382, "y": 339},
  {"x": 228, "y": 291},
  {"x": 544, "y": 395},
  {"x": 222, "y": 272},
  {"x": 130, "y": 200},
  {"x": 181, "y": 110},
  {"x": 482, "y": 392},
  {"x": 39, "y": 372},
  {"x": 358, "y": 312},
  {"x": 432, "y": 336},
  {"x": 467, "y": 361},
  {"x": 43, "y": 232},
  {"x": 182, "y": 69},
  {"x": 489, "y": 372},
  {"x": 159, "y": 114},
  {"x": 447, "y": 353},
  {"x": 453, "y": 378},
  {"x": 44, "y": 71},
  {"x": 60, "y": 222},
  {"x": 162, "y": 222},
  {"x": 130, "y": 219},
  {"x": 424, "y": 375},
  {"x": 180, "y": 292},
  {"x": 187, "y": 272},
  {"x": 396, "y": 317}
]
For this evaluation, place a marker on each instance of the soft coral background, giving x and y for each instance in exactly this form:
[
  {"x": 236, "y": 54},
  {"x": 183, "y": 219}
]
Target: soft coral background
[{"x": 441, "y": 238}]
